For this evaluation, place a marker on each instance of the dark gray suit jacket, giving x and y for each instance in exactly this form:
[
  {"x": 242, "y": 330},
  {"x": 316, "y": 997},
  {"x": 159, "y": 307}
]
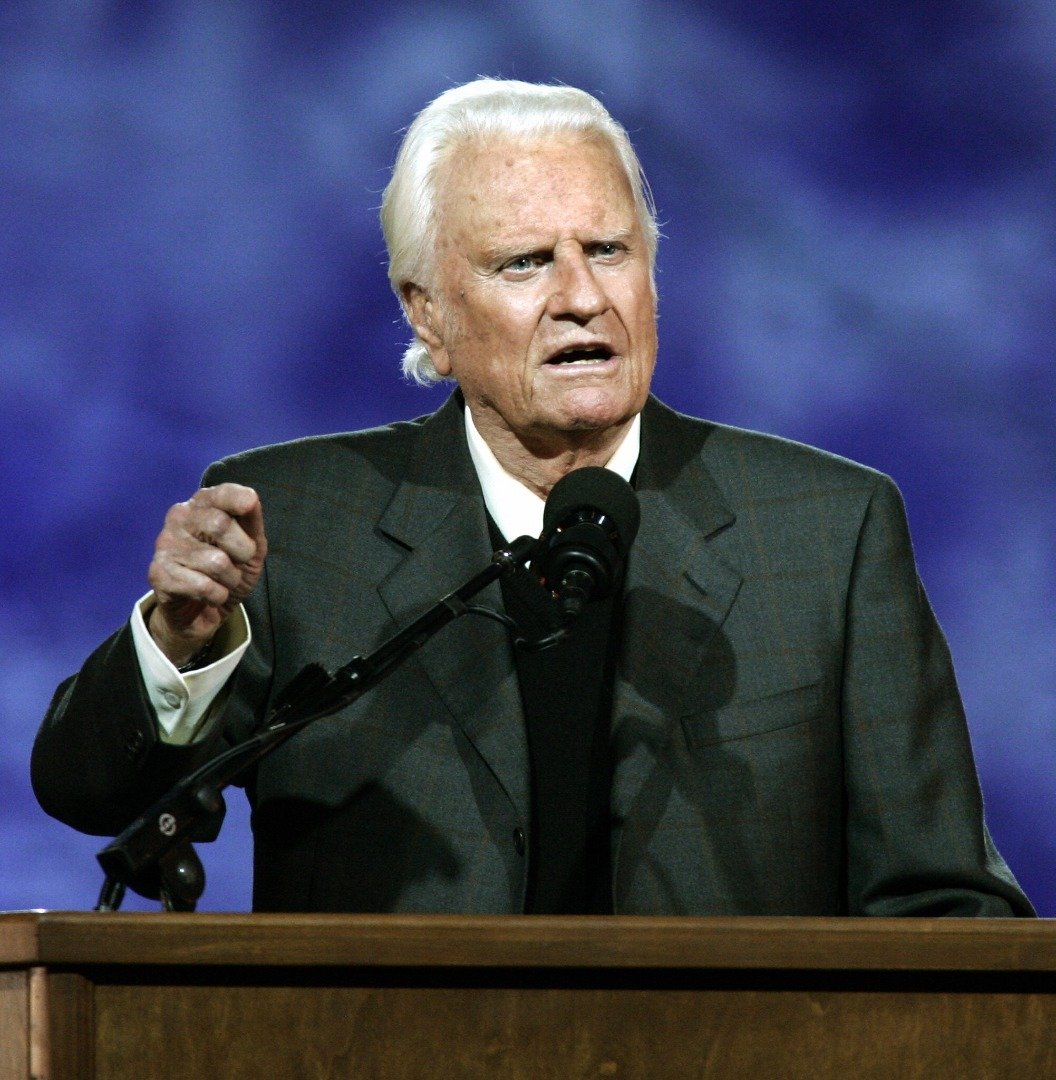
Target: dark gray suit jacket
[{"x": 787, "y": 733}]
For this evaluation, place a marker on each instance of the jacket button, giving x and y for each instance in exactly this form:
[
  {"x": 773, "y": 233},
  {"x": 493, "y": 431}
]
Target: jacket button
[
  {"x": 519, "y": 841},
  {"x": 133, "y": 743}
]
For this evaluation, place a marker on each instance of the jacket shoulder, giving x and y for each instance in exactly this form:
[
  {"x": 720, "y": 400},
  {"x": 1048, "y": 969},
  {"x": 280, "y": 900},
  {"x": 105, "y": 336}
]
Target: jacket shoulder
[
  {"x": 318, "y": 456},
  {"x": 742, "y": 461}
]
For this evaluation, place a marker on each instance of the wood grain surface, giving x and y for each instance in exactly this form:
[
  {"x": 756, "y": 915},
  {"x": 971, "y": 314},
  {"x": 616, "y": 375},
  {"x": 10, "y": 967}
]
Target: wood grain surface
[{"x": 166, "y": 997}]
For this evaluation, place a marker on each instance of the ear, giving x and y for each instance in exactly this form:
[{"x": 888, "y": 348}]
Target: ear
[{"x": 423, "y": 313}]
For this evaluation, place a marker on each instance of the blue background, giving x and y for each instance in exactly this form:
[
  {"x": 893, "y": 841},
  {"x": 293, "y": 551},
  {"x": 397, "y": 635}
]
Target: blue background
[{"x": 860, "y": 229}]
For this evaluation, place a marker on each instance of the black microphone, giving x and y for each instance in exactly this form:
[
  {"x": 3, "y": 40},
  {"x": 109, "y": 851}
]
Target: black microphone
[{"x": 589, "y": 522}]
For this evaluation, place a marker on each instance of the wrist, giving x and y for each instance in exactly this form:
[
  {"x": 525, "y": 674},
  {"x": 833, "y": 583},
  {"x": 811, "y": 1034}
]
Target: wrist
[
  {"x": 184, "y": 655},
  {"x": 196, "y": 660}
]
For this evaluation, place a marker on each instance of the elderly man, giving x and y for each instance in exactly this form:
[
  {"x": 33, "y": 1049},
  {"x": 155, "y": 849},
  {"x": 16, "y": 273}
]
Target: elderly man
[{"x": 763, "y": 719}]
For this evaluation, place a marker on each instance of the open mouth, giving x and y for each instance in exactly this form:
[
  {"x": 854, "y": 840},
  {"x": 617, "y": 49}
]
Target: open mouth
[{"x": 593, "y": 354}]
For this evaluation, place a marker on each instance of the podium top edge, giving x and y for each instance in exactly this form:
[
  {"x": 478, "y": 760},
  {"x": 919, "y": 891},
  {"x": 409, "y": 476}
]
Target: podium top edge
[{"x": 719, "y": 942}]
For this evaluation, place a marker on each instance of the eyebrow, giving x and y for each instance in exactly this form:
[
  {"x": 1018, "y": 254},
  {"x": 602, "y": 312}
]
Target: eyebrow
[{"x": 498, "y": 255}]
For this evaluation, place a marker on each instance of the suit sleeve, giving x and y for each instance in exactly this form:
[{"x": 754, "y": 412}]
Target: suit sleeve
[
  {"x": 917, "y": 842},
  {"x": 99, "y": 759}
]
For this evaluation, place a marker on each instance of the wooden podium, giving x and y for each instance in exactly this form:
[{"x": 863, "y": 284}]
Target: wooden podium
[{"x": 88, "y": 996}]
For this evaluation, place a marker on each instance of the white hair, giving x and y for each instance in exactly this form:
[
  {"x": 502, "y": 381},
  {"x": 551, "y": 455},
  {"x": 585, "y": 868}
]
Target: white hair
[{"x": 485, "y": 108}]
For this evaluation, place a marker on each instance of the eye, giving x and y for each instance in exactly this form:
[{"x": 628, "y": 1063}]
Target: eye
[
  {"x": 522, "y": 264},
  {"x": 608, "y": 249}
]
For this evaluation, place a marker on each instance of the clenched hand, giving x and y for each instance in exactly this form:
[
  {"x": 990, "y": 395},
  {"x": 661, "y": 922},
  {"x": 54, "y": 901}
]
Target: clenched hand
[{"x": 207, "y": 559}]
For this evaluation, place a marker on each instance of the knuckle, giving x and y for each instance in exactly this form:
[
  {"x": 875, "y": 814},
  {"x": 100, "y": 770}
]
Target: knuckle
[
  {"x": 159, "y": 568},
  {"x": 215, "y": 522},
  {"x": 177, "y": 515},
  {"x": 205, "y": 499},
  {"x": 229, "y": 494},
  {"x": 214, "y": 592},
  {"x": 207, "y": 524},
  {"x": 216, "y": 561}
]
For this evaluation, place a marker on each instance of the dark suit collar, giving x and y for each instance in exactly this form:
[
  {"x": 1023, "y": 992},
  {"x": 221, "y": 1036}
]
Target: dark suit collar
[
  {"x": 678, "y": 592},
  {"x": 439, "y": 478},
  {"x": 671, "y": 474},
  {"x": 440, "y": 473},
  {"x": 437, "y": 513},
  {"x": 673, "y": 559}
]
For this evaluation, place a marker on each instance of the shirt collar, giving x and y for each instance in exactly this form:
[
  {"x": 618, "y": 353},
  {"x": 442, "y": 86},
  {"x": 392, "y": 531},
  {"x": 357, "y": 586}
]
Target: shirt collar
[{"x": 515, "y": 508}]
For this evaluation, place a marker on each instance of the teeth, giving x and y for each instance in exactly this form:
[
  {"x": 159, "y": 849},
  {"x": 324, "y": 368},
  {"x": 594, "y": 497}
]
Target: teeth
[{"x": 597, "y": 355}]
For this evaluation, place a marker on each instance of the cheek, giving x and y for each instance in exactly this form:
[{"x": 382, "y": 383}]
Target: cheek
[
  {"x": 507, "y": 328},
  {"x": 643, "y": 324}
]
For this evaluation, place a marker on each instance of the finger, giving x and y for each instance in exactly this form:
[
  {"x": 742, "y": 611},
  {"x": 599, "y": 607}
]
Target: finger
[
  {"x": 214, "y": 563},
  {"x": 252, "y": 522},
  {"x": 204, "y": 556},
  {"x": 209, "y": 527},
  {"x": 174, "y": 582},
  {"x": 203, "y": 519},
  {"x": 217, "y": 507},
  {"x": 234, "y": 499}
]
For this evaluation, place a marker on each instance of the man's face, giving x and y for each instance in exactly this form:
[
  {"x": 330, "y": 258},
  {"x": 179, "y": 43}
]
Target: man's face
[{"x": 543, "y": 306}]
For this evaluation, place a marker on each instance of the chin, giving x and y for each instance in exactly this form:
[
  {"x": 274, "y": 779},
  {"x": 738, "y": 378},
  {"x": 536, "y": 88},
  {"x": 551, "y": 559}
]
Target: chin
[
  {"x": 585, "y": 421},
  {"x": 596, "y": 412}
]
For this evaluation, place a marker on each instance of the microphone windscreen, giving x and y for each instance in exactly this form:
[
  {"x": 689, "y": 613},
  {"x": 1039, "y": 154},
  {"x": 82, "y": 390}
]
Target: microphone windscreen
[{"x": 598, "y": 489}]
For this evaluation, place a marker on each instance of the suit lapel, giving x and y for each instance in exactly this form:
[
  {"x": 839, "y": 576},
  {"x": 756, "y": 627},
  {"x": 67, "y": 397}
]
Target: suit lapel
[
  {"x": 437, "y": 513},
  {"x": 678, "y": 594}
]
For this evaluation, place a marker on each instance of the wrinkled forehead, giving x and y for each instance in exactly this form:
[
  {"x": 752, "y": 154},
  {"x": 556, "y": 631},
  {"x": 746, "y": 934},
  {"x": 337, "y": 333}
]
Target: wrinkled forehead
[{"x": 502, "y": 178}]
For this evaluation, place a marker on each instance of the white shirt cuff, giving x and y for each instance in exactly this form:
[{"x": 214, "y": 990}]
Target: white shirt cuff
[{"x": 182, "y": 702}]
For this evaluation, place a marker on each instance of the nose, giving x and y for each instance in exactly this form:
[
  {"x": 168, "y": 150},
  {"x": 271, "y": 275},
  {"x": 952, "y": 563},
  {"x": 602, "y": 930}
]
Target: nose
[{"x": 577, "y": 291}]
